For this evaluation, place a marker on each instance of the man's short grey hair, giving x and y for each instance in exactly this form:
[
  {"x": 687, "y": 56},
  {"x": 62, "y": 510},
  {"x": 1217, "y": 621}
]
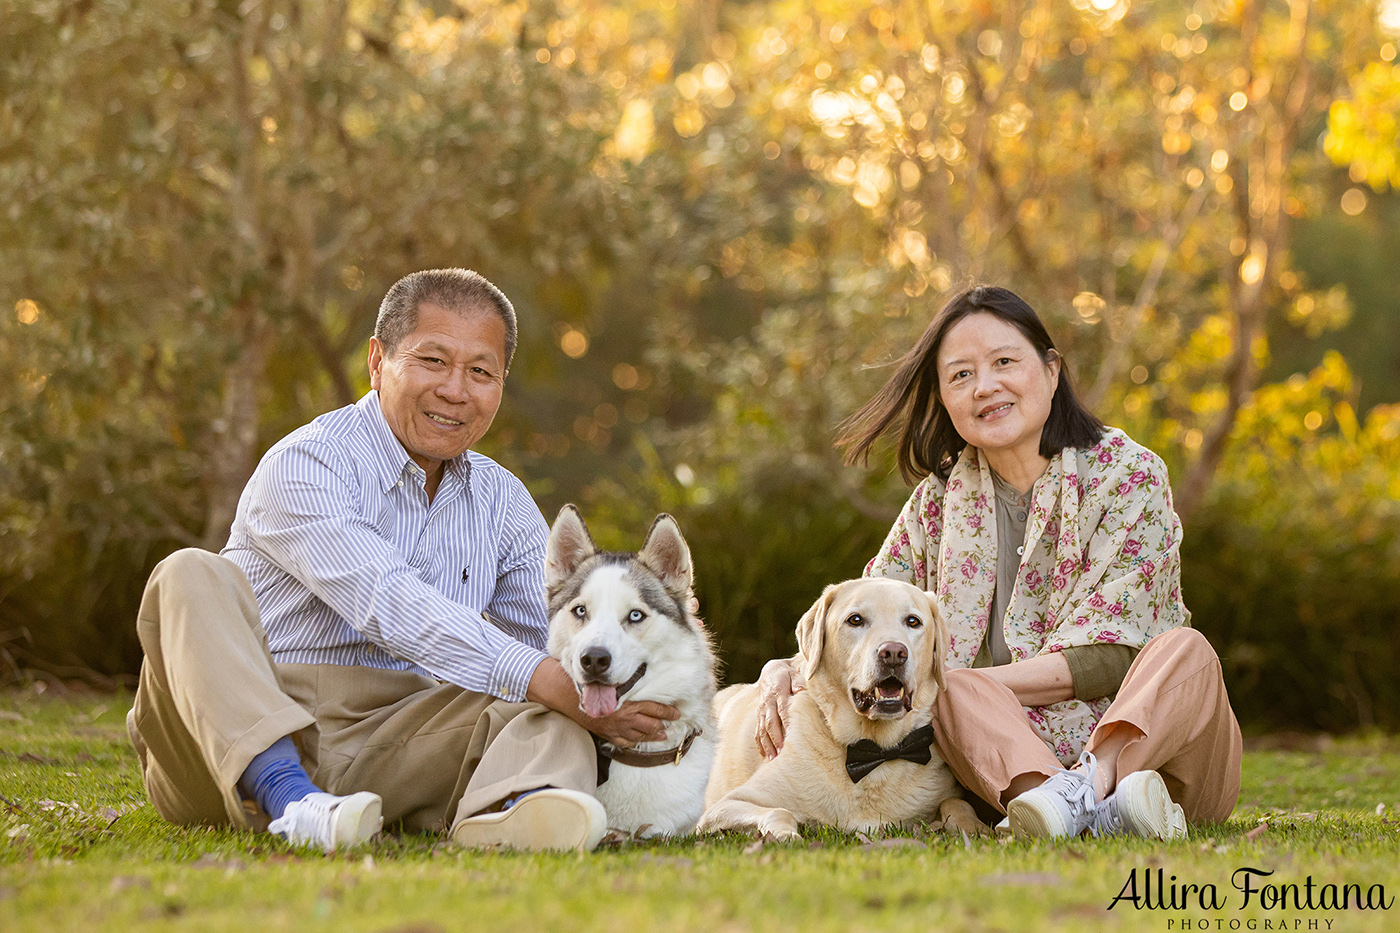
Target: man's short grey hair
[{"x": 460, "y": 290}]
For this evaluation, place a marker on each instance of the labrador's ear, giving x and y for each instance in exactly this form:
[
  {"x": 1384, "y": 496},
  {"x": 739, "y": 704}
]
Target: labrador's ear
[
  {"x": 811, "y": 630},
  {"x": 569, "y": 545},
  {"x": 940, "y": 640},
  {"x": 666, "y": 554}
]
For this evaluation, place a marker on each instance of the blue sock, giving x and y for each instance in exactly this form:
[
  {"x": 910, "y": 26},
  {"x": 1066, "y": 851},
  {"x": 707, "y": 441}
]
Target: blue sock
[{"x": 276, "y": 778}]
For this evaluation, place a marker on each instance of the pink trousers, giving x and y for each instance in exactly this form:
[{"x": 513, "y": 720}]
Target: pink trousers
[{"x": 1173, "y": 696}]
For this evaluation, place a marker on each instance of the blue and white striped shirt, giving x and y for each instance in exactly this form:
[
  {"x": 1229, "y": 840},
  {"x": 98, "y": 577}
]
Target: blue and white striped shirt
[{"x": 352, "y": 565}]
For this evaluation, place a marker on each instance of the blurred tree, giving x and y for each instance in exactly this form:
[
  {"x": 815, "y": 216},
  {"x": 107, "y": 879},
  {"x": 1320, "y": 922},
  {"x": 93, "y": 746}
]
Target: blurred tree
[
  {"x": 718, "y": 220},
  {"x": 205, "y": 200}
]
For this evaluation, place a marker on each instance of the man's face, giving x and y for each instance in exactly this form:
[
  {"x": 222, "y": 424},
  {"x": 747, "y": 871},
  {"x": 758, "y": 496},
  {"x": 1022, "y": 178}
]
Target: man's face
[{"x": 442, "y": 385}]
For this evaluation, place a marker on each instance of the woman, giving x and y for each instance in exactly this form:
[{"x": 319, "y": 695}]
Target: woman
[{"x": 1053, "y": 547}]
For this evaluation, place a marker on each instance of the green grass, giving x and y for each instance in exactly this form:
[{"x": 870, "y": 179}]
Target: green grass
[{"x": 80, "y": 848}]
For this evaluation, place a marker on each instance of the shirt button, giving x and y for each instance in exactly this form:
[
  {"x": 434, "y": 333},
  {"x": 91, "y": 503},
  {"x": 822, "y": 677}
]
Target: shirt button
[
  {"x": 1020, "y": 516},
  {"x": 399, "y": 483},
  {"x": 1020, "y": 550}
]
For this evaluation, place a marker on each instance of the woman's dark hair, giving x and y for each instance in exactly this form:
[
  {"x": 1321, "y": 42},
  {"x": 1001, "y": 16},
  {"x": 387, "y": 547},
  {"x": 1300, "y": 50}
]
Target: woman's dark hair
[{"x": 928, "y": 442}]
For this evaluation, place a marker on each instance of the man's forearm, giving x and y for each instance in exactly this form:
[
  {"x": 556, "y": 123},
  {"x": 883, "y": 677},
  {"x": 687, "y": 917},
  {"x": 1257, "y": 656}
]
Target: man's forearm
[{"x": 552, "y": 687}]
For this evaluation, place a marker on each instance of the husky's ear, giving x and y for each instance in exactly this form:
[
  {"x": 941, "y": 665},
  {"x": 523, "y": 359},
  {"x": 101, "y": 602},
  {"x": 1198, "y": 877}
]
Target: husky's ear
[
  {"x": 666, "y": 554},
  {"x": 811, "y": 631},
  {"x": 940, "y": 640},
  {"x": 569, "y": 544}
]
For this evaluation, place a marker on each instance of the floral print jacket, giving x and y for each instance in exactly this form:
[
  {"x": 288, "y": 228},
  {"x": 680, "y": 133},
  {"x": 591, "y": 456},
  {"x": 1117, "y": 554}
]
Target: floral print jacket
[{"x": 1101, "y": 564}]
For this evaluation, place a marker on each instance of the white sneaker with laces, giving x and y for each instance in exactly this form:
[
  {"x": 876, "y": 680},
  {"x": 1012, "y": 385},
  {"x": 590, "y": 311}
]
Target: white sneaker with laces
[
  {"x": 1140, "y": 806},
  {"x": 551, "y": 818},
  {"x": 1063, "y": 806},
  {"x": 330, "y": 822}
]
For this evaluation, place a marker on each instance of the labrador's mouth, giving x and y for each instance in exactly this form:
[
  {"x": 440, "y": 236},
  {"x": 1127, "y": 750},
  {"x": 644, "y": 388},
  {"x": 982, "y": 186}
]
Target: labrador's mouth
[{"x": 889, "y": 699}]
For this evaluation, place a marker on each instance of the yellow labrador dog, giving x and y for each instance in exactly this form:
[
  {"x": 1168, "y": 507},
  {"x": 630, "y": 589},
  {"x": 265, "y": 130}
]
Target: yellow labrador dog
[{"x": 858, "y": 752}]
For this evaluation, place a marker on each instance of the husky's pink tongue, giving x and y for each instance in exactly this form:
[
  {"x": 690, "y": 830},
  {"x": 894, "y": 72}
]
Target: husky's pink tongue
[{"x": 599, "y": 699}]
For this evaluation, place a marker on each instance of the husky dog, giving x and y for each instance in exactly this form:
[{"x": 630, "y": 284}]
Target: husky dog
[{"x": 623, "y": 627}]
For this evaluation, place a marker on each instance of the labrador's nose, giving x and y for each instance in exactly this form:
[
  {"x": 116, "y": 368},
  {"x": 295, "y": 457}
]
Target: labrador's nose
[{"x": 892, "y": 654}]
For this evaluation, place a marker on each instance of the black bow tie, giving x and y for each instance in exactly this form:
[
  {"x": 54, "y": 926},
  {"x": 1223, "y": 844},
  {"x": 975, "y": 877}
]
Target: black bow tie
[{"x": 865, "y": 756}]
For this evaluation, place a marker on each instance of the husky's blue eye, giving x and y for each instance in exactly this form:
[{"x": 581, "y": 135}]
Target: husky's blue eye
[
  {"x": 913, "y": 621},
  {"x": 580, "y": 611},
  {"x": 855, "y": 618},
  {"x": 636, "y": 615}
]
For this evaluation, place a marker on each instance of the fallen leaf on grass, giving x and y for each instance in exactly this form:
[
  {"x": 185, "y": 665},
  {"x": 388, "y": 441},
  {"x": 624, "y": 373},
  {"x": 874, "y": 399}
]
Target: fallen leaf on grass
[
  {"x": 12, "y": 716},
  {"x": 615, "y": 839},
  {"x": 753, "y": 848},
  {"x": 34, "y": 759},
  {"x": 1257, "y": 831}
]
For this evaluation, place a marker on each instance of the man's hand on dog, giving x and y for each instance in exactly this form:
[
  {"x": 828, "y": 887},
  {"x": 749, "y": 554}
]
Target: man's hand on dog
[
  {"x": 632, "y": 722},
  {"x": 776, "y": 685}
]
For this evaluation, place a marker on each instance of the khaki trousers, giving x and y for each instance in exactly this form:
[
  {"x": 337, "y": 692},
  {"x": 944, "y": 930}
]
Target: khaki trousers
[
  {"x": 1173, "y": 695},
  {"x": 210, "y": 698}
]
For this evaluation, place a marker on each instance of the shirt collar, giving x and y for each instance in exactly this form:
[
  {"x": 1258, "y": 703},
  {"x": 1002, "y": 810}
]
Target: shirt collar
[
  {"x": 1005, "y": 492},
  {"x": 392, "y": 462}
]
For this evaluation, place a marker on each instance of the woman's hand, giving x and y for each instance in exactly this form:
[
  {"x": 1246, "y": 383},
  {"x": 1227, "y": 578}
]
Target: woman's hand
[{"x": 776, "y": 685}]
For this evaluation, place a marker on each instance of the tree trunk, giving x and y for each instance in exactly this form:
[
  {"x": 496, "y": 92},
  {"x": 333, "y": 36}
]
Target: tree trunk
[{"x": 235, "y": 449}]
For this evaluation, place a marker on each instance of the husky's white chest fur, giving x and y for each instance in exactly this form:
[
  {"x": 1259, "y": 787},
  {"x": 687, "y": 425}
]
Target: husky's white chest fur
[{"x": 623, "y": 626}]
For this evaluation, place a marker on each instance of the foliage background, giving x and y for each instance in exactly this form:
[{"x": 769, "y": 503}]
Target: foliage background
[{"x": 717, "y": 220}]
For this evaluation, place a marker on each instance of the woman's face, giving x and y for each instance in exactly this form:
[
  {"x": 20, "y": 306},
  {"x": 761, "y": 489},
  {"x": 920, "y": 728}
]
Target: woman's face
[{"x": 995, "y": 386}]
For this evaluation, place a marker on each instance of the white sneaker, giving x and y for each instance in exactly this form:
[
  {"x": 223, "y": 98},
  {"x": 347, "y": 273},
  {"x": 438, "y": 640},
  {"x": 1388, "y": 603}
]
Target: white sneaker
[
  {"x": 547, "y": 819},
  {"x": 1140, "y": 806},
  {"x": 330, "y": 822},
  {"x": 1063, "y": 806}
]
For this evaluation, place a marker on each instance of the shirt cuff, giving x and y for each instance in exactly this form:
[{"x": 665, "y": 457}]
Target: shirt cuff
[
  {"x": 1098, "y": 670},
  {"x": 514, "y": 667}
]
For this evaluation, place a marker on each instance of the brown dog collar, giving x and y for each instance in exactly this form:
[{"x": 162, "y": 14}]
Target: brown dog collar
[{"x": 636, "y": 759}]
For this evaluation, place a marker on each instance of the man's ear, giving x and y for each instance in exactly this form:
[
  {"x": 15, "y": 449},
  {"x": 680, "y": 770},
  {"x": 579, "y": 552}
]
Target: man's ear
[
  {"x": 811, "y": 631},
  {"x": 376, "y": 361},
  {"x": 667, "y": 555},
  {"x": 940, "y": 640},
  {"x": 569, "y": 545}
]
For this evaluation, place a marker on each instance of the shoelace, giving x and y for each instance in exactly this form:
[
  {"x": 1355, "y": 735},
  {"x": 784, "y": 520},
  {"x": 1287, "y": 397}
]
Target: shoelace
[
  {"x": 306, "y": 820},
  {"x": 1076, "y": 788},
  {"x": 1107, "y": 821}
]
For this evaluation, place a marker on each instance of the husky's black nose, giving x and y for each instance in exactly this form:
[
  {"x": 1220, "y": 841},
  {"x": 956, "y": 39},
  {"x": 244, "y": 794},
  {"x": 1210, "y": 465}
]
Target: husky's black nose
[
  {"x": 892, "y": 654},
  {"x": 596, "y": 662}
]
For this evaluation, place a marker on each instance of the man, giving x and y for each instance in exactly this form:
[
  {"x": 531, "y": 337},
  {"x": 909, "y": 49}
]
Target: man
[{"x": 363, "y": 646}]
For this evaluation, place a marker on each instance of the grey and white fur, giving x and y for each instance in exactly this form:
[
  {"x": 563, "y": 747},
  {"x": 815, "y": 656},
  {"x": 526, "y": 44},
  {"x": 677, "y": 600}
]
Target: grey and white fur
[{"x": 624, "y": 628}]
